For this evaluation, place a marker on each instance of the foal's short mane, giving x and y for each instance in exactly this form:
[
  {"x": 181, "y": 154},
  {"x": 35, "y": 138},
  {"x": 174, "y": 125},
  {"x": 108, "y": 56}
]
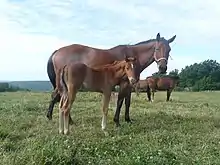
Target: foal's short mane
[{"x": 111, "y": 66}]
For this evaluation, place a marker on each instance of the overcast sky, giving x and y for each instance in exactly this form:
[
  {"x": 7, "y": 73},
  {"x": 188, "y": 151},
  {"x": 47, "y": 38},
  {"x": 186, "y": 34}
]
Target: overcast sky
[{"x": 30, "y": 30}]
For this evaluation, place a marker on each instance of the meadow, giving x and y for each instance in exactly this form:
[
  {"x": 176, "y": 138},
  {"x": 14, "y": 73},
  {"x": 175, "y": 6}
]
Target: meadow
[{"x": 183, "y": 131}]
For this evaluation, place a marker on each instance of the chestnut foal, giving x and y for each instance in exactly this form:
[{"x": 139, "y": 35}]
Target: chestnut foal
[{"x": 100, "y": 79}]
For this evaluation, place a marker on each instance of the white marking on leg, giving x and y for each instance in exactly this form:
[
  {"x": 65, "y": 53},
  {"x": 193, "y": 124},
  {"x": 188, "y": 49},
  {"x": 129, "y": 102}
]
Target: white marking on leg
[
  {"x": 61, "y": 122},
  {"x": 66, "y": 123},
  {"x": 104, "y": 118}
]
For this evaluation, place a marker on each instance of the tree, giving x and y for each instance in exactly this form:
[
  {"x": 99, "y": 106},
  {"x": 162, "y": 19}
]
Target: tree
[
  {"x": 201, "y": 76},
  {"x": 174, "y": 72}
]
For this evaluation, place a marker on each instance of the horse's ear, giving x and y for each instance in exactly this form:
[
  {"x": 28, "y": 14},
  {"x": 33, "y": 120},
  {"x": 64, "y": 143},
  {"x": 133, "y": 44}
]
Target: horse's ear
[
  {"x": 158, "y": 37},
  {"x": 172, "y": 39}
]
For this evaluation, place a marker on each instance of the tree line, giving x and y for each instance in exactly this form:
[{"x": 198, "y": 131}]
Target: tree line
[
  {"x": 6, "y": 87},
  {"x": 199, "y": 76}
]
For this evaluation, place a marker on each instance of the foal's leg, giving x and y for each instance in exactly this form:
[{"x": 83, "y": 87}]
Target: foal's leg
[
  {"x": 106, "y": 99},
  {"x": 70, "y": 100},
  {"x": 61, "y": 116}
]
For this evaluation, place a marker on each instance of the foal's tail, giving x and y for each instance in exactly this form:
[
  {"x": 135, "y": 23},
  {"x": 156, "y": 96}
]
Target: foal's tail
[{"x": 62, "y": 80}]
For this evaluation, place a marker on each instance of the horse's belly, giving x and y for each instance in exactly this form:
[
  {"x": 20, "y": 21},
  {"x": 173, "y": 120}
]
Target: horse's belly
[{"x": 91, "y": 86}]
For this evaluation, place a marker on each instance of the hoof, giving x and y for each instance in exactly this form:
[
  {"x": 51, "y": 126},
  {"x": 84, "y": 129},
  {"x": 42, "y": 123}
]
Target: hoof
[
  {"x": 49, "y": 117},
  {"x": 66, "y": 132},
  {"x": 61, "y": 132},
  {"x": 117, "y": 125},
  {"x": 71, "y": 122},
  {"x": 129, "y": 121},
  {"x": 105, "y": 133}
]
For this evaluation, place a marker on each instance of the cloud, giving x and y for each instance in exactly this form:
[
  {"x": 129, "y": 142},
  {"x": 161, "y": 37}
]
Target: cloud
[{"x": 32, "y": 30}]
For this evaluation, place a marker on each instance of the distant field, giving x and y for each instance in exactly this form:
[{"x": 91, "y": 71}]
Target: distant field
[{"x": 184, "y": 131}]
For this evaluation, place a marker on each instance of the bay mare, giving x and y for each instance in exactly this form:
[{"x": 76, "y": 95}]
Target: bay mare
[
  {"x": 101, "y": 79},
  {"x": 161, "y": 83},
  {"x": 147, "y": 52},
  {"x": 141, "y": 85}
]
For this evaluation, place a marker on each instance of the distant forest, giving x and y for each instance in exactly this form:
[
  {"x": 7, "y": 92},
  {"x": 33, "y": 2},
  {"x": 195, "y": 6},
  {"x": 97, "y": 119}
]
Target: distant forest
[{"x": 196, "y": 77}]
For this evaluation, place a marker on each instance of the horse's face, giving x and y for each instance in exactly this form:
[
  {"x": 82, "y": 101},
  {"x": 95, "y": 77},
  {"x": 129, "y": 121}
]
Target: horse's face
[
  {"x": 130, "y": 70},
  {"x": 161, "y": 52}
]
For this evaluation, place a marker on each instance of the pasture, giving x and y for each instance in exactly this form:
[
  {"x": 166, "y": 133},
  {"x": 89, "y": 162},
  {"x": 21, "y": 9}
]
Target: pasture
[{"x": 183, "y": 131}]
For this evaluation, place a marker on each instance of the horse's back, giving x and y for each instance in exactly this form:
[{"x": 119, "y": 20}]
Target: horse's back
[
  {"x": 80, "y": 53},
  {"x": 161, "y": 83}
]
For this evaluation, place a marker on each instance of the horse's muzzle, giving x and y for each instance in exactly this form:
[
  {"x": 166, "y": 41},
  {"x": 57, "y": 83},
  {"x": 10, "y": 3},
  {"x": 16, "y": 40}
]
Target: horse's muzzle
[
  {"x": 132, "y": 81},
  {"x": 162, "y": 69}
]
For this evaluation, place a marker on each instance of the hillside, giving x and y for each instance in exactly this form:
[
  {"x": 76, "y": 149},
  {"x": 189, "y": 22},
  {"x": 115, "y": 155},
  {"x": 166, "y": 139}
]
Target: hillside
[{"x": 33, "y": 85}]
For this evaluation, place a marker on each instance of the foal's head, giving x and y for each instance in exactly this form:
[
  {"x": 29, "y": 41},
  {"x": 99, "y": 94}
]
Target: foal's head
[{"x": 130, "y": 69}]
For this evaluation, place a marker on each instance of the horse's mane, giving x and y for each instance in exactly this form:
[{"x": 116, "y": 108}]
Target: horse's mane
[
  {"x": 110, "y": 66},
  {"x": 176, "y": 77},
  {"x": 150, "y": 40},
  {"x": 139, "y": 43}
]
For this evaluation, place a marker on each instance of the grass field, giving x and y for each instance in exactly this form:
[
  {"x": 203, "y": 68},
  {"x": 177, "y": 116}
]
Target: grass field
[{"x": 184, "y": 131}]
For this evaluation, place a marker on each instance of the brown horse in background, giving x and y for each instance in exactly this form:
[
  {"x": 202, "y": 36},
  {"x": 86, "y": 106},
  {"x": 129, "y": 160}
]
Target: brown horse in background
[
  {"x": 100, "y": 79},
  {"x": 141, "y": 84},
  {"x": 164, "y": 83},
  {"x": 147, "y": 52}
]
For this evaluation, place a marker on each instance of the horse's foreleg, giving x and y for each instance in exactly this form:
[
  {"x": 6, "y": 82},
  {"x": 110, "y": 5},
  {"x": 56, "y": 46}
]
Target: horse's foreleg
[
  {"x": 148, "y": 94},
  {"x": 127, "y": 105},
  {"x": 120, "y": 100},
  {"x": 168, "y": 94},
  {"x": 106, "y": 100}
]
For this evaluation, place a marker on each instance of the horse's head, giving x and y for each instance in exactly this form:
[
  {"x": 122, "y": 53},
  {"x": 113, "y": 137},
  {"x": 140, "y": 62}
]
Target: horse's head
[
  {"x": 130, "y": 69},
  {"x": 130, "y": 55},
  {"x": 161, "y": 52}
]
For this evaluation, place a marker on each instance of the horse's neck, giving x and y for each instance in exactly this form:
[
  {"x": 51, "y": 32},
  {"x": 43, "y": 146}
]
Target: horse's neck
[{"x": 145, "y": 53}]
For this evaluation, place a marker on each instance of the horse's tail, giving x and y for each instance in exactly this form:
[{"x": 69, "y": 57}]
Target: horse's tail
[
  {"x": 63, "y": 80},
  {"x": 50, "y": 70}
]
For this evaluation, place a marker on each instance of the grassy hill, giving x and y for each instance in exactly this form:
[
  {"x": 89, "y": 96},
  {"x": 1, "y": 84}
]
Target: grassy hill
[{"x": 33, "y": 85}]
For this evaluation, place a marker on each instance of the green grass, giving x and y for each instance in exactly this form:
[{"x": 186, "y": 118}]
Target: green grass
[{"x": 183, "y": 131}]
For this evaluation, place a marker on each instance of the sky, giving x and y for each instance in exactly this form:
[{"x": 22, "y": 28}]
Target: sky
[{"x": 30, "y": 30}]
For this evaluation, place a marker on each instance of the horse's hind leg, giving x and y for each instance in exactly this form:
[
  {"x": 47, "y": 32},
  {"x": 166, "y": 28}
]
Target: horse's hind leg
[
  {"x": 55, "y": 97},
  {"x": 61, "y": 116},
  {"x": 67, "y": 108},
  {"x": 106, "y": 99},
  {"x": 153, "y": 92}
]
